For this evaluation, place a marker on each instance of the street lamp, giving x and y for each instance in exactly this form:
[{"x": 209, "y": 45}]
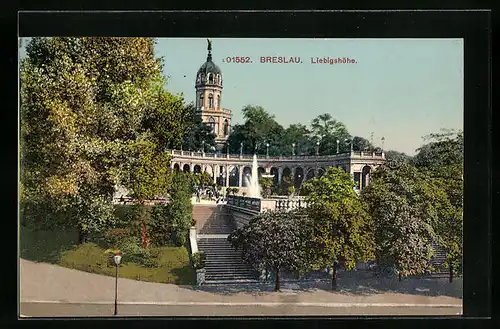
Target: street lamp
[
  {"x": 383, "y": 139},
  {"x": 267, "y": 150},
  {"x": 293, "y": 149},
  {"x": 117, "y": 258},
  {"x": 227, "y": 150},
  {"x": 338, "y": 146},
  {"x": 203, "y": 146},
  {"x": 241, "y": 149},
  {"x": 350, "y": 142},
  {"x": 317, "y": 148}
]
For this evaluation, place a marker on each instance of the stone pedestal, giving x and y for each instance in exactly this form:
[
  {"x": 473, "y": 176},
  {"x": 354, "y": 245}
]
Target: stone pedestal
[{"x": 200, "y": 276}]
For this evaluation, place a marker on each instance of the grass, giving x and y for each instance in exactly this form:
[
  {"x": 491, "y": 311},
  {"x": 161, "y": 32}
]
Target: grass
[{"x": 61, "y": 248}]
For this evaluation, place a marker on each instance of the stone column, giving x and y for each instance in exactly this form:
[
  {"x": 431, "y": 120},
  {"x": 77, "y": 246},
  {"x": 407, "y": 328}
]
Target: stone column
[
  {"x": 293, "y": 176},
  {"x": 280, "y": 175},
  {"x": 191, "y": 167},
  {"x": 240, "y": 173},
  {"x": 215, "y": 172},
  {"x": 227, "y": 176},
  {"x": 360, "y": 181}
]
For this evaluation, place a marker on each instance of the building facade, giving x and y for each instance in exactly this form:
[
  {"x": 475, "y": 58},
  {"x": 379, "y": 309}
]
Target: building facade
[{"x": 208, "y": 87}]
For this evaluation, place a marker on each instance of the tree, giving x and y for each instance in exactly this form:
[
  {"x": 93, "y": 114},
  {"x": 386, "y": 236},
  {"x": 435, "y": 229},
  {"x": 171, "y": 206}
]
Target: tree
[
  {"x": 361, "y": 144},
  {"x": 442, "y": 159},
  {"x": 196, "y": 134},
  {"x": 266, "y": 183},
  {"x": 339, "y": 221},
  {"x": 259, "y": 128},
  {"x": 273, "y": 240},
  {"x": 328, "y": 130},
  {"x": 180, "y": 209},
  {"x": 405, "y": 206},
  {"x": 297, "y": 134},
  {"x": 83, "y": 103},
  {"x": 392, "y": 155}
]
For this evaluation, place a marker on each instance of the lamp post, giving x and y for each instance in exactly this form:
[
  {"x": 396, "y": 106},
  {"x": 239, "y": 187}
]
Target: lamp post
[
  {"x": 338, "y": 142},
  {"x": 117, "y": 258},
  {"x": 293, "y": 149},
  {"x": 317, "y": 148},
  {"x": 267, "y": 150},
  {"x": 203, "y": 146},
  {"x": 350, "y": 142},
  {"x": 227, "y": 150},
  {"x": 383, "y": 139},
  {"x": 241, "y": 149}
]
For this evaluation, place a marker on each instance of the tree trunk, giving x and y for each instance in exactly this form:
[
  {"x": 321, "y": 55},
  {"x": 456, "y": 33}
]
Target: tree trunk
[
  {"x": 334, "y": 276},
  {"x": 399, "y": 276},
  {"x": 277, "y": 285},
  {"x": 82, "y": 236},
  {"x": 451, "y": 272}
]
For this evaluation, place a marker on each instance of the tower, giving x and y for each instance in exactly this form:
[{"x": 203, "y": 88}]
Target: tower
[{"x": 209, "y": 99}]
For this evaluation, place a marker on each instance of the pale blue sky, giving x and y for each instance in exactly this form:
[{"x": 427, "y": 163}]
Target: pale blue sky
[{"x": 400, "y": 89}]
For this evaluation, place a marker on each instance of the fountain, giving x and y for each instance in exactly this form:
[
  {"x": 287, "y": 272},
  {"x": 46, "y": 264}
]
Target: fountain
[{"x": 253, "y": 182}]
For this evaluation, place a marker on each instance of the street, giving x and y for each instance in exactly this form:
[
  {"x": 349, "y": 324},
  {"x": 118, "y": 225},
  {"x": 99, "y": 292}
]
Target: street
[{"x": 72, "y": 310}]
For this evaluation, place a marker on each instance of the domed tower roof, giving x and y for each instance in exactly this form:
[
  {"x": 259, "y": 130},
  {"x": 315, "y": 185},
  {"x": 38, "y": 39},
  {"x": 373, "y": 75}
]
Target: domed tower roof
[{"x": 208, "y": 66}]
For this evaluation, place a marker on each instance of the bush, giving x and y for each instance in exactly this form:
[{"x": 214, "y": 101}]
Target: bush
[
  {"x": 87, "y": 257},
  {"x": 199, "y": 260},
  {"x": 132, "y": 252}
]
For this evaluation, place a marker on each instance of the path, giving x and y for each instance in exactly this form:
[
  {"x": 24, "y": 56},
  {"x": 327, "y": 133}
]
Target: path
[{"x": 42, "y": 282}]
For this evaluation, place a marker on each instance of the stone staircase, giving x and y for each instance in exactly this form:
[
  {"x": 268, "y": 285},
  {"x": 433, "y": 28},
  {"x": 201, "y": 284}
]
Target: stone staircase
[
  {"x": 438, "y": 262},
  {"x": 224, "y": 264}
]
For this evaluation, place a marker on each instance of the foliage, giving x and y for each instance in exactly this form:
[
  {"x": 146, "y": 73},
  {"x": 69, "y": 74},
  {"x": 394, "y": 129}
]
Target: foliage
[
  {"x": 180, "y": 209},
  {"x": 361, "y": 144},
  {"x": 340, "y": 222},
  {"x": 273, "y": 240},
  {"x": 328, "y": 130},
  {"x": 397, "y": 156},
  {"x": 83, "y": 106},
  {"x": 202, "y": 179},
  {"x": 196, "y": 133},
  {"x": 198, "y": 259},
  {"x": 406, "y": 206},
  {"x": 160, "y": 226},
  {"x": 266, "y": 183},
  {"x": 442, "y": 159}
]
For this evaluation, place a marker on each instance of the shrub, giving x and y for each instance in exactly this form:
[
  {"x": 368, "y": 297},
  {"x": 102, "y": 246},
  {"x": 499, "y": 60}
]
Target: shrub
[
  {"x": 198, "y": 259},
  {"x": 132, "y": 252},
  {"x": 87, "y": 257}
]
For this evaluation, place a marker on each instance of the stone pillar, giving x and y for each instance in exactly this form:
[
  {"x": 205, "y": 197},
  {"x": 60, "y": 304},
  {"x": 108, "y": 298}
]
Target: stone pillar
[
  {"x": 360, "y": 181},
  {"x": 293, "y": 176},
  {"x": 227, "y": 175},
  {"x": 240, "y": 173},
  {"x": 280, "y": 175},
  {"x": 191, "y": 167},
  {"x": 215, "y": 172}
]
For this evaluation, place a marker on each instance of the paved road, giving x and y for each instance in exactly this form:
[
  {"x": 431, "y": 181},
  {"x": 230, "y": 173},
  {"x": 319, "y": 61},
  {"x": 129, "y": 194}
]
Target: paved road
[
  {"x": 59, "y": 310},
  {"x": 56, "y": 290}
]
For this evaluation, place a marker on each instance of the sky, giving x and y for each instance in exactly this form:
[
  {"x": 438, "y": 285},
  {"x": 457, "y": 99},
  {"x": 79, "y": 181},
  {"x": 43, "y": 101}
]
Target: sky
[{"x": 399, "y": 89}]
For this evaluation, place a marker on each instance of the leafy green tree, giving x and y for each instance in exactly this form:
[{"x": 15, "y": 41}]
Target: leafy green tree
[
  {"x": 266, "y": 183},
  {"x": 83, "y": 105},
  {"x": 259, "y": 128},
  {"x": 361, "y": 144},
  {"x": 202, "y": 179},
  {"x": 442, "y": 159},
  {"x": 406, "y": 206},
  {"x": 341, "y": 226},
  {"x": 392, "y": 155},
  {"x": 328, "y": 130},
  {"x": 196, "y": 134},
  {"x": 299, "y": 135},
  {"x": 274, "y": 240},
  {"x": 180, "y": 209}
]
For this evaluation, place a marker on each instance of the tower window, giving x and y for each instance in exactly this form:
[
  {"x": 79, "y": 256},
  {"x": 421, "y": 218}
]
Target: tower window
[
  {"x": 210, "y": 78},
  {"x": 218, "y": 101},
  {"x": 210, "y": 101},
  {"x": 211, "y": 124},
  {"x": 226, "y": 128},
  {"x": 201, "y": 100}
]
